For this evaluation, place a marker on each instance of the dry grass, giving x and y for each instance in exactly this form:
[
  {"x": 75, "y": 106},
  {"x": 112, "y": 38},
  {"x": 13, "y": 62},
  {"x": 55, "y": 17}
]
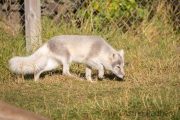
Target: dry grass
[{"x": 149, "y": 91}]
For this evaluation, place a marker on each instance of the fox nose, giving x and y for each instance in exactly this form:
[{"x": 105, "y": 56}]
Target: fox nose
[{"x": 121, "y": 76}]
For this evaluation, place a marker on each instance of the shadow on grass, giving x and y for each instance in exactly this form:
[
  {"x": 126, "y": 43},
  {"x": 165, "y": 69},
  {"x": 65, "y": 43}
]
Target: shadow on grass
[
  {"x": 111, "y": 77},
  {"x": 42, "y": 76}
]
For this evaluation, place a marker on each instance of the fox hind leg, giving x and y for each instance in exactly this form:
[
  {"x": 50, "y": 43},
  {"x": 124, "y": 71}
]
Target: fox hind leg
[
  {"x": 50, "y": 65},
  {"x": 66, "y": 68},
  {"x": 37, "y": 75}
]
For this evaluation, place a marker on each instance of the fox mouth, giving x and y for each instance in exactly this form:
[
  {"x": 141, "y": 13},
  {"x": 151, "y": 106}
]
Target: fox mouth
[{"x": 119, "y": 75}]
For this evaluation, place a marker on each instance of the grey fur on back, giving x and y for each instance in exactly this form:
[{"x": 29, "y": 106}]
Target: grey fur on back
[{"x": 92, "y": 44}]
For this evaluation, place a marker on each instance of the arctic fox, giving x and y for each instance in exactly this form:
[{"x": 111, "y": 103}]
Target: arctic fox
[{"x": 94, "y": 51}]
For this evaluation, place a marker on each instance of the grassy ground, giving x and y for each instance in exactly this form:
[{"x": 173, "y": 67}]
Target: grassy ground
[{"x": 149, "y": 91}]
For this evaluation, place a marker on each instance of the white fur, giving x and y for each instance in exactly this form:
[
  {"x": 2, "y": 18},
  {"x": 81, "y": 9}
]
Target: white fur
[
  {"x": 29, "y": 64},
  {"x": 66, "y": 49}
]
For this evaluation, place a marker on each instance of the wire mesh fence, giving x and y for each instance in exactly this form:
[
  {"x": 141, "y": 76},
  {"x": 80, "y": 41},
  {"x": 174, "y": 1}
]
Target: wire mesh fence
[{"x": 92, "y": 16}]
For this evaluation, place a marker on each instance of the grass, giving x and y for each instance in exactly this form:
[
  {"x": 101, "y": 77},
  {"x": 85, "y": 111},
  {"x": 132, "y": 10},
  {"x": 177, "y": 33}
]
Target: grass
[{"x": 149, "y": 91}]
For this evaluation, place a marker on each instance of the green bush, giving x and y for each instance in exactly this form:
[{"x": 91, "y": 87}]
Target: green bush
[{"x": 104, "y": 13}]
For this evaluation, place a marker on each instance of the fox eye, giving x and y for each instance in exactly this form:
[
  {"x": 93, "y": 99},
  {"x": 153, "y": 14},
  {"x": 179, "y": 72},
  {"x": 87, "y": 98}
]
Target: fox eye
[{"x": 118, "y": 66}]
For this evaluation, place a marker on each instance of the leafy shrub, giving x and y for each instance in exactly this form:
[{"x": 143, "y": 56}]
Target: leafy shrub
[{"x": 113, "y": 12}]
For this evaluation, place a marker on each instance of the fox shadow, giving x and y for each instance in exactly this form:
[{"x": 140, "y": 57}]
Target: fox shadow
[
  {"x": 43, "y": 75},
  {"x": 107, "y": 76}
]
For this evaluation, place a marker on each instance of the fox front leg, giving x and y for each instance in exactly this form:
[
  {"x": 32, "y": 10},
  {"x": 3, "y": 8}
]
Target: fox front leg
[
  {"x": 101, "y": 71},
  {"x": 96, "y": 65}
]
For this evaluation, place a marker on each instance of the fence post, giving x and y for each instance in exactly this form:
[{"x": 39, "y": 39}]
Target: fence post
[{"x": 32, "y": 24}]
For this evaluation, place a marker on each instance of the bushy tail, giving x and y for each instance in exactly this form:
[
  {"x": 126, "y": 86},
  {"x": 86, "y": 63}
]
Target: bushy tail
[{"x": 30, "y": 64}]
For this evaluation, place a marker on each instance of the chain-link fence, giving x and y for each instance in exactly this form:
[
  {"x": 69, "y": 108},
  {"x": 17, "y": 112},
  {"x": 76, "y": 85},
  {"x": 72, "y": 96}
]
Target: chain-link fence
[{"x": 95, "y": 15}]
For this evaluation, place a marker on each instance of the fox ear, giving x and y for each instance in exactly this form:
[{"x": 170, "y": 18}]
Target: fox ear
[
  {"x": 121, "y": 52},
  {"x": 112, "y": 56}
]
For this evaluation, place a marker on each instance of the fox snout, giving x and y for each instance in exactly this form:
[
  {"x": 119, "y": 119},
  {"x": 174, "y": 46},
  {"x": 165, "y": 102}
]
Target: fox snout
[
  {"x": 121, "y": 76},
  {"x": 119, "y": 73}
]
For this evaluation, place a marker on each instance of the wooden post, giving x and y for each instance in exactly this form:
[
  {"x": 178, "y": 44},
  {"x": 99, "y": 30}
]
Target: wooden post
[{"x": 32, "y": 24}]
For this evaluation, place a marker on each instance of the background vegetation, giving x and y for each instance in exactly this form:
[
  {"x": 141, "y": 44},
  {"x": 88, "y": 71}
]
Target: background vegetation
[{"x": 150, "y": 90}]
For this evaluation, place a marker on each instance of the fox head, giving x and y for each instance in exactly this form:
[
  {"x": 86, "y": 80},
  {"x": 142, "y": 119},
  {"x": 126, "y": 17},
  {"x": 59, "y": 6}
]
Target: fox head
[{"x": 117, "y": 63}]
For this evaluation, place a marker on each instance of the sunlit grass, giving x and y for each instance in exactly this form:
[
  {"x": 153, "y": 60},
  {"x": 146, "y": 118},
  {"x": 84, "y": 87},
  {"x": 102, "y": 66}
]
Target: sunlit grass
[{"x": 150, "y": 89}]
